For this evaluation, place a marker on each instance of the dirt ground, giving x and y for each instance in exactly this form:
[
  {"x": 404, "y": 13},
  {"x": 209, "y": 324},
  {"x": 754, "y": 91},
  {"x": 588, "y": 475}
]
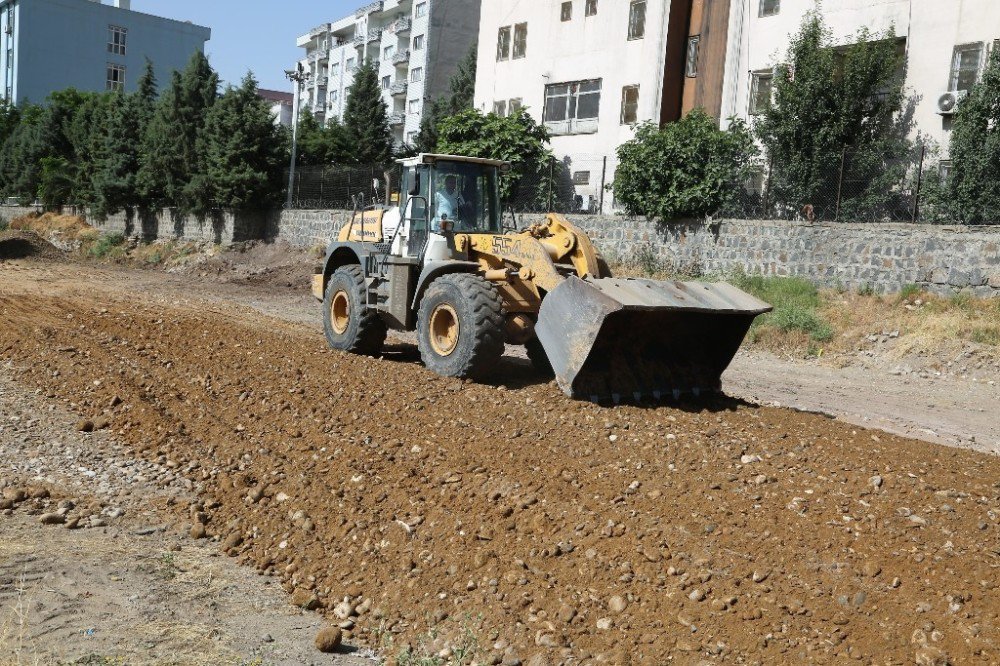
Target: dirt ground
[
  {"x": 504, "y": 523},
  {"x": 116, "y": 579}
]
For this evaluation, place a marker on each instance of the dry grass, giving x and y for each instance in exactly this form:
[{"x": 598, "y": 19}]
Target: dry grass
[
  {"x": 16, "y": 646},
  {"x": 68, "y": 228}
]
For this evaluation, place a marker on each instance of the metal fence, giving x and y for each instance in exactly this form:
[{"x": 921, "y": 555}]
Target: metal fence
[
  {"x": 340, "y": 187},
  {"x": 850, "y": 187}
]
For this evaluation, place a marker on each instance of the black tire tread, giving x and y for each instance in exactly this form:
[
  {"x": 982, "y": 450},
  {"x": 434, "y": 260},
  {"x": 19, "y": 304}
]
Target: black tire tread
[
  {"x": 372, "y": 331},
  {"x": 488, "y": 325}
]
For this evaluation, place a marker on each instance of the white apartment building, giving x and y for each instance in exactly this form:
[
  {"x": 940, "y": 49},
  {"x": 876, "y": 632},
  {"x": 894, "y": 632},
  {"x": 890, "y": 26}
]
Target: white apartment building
[
  {"x": 415, "y": 44},
  {"x": 589, "y": 70},
  {"x": 947, "y": 45}
]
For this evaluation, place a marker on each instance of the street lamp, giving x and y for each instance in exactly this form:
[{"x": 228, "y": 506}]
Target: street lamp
[{"x": 297, "y": 76}]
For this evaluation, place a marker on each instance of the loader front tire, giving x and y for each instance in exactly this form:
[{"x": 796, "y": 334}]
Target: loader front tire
[
  {"x": 460, "y": 326},
  {"x": 349, "y": 323}
]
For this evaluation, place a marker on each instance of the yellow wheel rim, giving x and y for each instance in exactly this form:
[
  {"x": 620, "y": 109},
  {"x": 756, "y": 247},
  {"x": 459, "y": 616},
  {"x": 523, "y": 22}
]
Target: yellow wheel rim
[
  {"x": 340, "y": 312},
  {"x": 444, "y": 330}
]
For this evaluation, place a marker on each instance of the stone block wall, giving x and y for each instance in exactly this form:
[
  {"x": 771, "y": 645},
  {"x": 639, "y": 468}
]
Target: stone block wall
[{"x": 883, "y": 257}]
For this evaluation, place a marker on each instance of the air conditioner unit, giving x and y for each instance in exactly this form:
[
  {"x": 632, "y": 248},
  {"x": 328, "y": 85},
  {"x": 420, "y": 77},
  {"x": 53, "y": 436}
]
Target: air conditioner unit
[{"x": 948, "y": 101}]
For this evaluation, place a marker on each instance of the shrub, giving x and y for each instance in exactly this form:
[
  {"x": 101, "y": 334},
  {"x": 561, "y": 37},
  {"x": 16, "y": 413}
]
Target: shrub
[
  {"x": 685, "y": 169},
  {"x": 909, "y": 292},
  {"x": 105, "y": 244},
  {"x": 795, "y": 300}
]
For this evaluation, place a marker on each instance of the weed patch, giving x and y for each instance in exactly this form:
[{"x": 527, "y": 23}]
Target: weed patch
[
  {"x": 796, "y": 305},
  {"x": 106, "y": 244}
]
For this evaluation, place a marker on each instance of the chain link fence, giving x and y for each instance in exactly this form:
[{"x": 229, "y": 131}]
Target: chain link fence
[
  {"x": 853, "y": 186},
  {"x": 338, "y": 187}
]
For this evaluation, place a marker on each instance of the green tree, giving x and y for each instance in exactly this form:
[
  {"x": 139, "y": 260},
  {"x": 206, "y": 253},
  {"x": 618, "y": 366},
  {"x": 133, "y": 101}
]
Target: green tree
[
  {"x": 243, "y": 153},
  {"x": 10, "y": 116},
  {"x": 366, "y": 121},
  {"x": 836, "y": 108},
  {"x": 322, "y": 144},
  {"x": 117, "y": 179},
  {"x": 57, "y": 181},
  {"x": 88, "y": 133},
  {"x": 169, "y": 153},
  {"x": 688, "y": 168},
  {"x": 462, "y": 92},
  {"x": 973, "y": 187},
  {"x": 516, "y": 138}
]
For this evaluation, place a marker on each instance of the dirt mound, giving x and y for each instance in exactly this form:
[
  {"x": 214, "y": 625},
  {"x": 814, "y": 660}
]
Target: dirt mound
[
  {"x": 263, "y": 264},
  {"x": 25, "y": 245},
  {"x": 56, "y": 227},
  {"x": 516, "y": 524}
]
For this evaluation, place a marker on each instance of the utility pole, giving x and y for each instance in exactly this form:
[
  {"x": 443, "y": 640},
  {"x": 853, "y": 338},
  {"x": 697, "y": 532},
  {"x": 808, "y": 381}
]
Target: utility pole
[{"x": 297, "y": 76}]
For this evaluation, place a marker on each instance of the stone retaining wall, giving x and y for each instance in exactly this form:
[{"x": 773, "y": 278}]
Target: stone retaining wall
[{"x": 883, "y": 257}]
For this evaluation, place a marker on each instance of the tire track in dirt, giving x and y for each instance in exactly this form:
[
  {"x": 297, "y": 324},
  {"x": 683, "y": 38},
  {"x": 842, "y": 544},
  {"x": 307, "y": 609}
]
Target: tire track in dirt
[{"x": 546, "y": 528}]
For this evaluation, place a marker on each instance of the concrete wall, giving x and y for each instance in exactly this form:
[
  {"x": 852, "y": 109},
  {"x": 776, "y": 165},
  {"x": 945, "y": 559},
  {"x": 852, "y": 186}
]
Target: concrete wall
[
  {"x": 58, "y": 44},
  {"x": 885, "y": 257}
]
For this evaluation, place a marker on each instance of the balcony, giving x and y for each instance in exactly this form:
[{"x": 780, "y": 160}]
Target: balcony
[
  {"x": 400, "y": 25},
  {"x": 370, "y": 8},
  {"x": 398, "y": 88},
  {"x": 359, "y": 40},
  {"x": 397, "y": 119},
  {"x": 401, "y": 58},
  {"x": 319, "y": 54},
  {"x": 374, "y": 35},
  {"x": 320, "y": 30}
]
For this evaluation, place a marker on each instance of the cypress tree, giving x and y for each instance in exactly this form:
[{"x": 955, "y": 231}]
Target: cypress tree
[
  {"x": 461, "y": 97},
  {"x": 117, "y": 181},
  {"x": 170, "y": 157},
  {"x": 243, "y": 153},
  {"x": 366, "y": 121}
]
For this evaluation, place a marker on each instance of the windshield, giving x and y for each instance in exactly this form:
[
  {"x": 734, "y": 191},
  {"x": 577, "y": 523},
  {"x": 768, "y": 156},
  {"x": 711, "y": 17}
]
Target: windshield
[{"x": 465, "y": 194}]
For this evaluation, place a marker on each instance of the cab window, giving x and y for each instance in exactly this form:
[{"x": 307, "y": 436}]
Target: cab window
[{"x": 466, "y": 195}]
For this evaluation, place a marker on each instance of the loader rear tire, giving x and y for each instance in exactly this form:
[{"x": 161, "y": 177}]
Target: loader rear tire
[
  {"x": 460, "y": 326},
  {"x": 350, "y": 325}
]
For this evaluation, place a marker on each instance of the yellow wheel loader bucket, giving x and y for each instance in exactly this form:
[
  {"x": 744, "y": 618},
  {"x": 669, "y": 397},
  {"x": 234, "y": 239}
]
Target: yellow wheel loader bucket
[{"x": 613, "y": 339}]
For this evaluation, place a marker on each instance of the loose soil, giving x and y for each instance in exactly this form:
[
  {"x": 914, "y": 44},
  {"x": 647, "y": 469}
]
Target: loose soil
[
  {"x": 25, "y": 245},
  {"x": 508, "y": 521}
]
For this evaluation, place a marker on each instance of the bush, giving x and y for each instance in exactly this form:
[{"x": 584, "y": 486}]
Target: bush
[
  {"x": 105, "y": 244},
  {"x": 795, "y": 301},
  {"x": 685, "y": 169}
]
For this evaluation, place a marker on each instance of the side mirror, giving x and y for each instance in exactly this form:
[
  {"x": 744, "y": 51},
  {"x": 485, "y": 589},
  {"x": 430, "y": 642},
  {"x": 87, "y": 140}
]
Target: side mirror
[{"x": 415, "y": 186}]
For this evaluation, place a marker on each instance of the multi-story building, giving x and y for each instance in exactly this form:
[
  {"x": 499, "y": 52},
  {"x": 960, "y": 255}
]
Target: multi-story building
[
  {"x": 589, "y": 70},
  {"x": 51, "y": 45},
  {"x": 947, "y": 45},
  {"x": 415, "y": 45},
  {"x": 281, "y": 105}
]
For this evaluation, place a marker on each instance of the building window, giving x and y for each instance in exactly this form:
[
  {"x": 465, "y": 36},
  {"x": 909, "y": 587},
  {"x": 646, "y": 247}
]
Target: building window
[
  {"x": 514, "y": 105},
  {"x": 965, "y": 66},
  {"x": 572, "y": 108},
  {"x": 503, "y": 44},
  {"x": 414, "y": 106},
  {"x": 770, "y": 7},
  {"x": 411, "y": 138},
  {"x": 417, "y": 75},
  {"x": 335, "y": 69},
  {"x": 637, "y": 19},
  {"x": 760, "y": 91},
  {"x": 116, "y": 40},
  {"x": 388, "y": 52},
  {"x": 421, "y": 10},
  {"x": 334, "y": 95},
  {"x": 418, "y": 42},
  {"x": 581, "y": 178},
  {"x": 116, "y": 77},
  {"x": 520, "y": 40},
  {"x": 591, "y": 9},
  {"x": 567, "y": 11},
  {"x": 386, "y": 82},
  {"x": 500, "y": 108},
  {"x": 630, "y": 105},
  {"x": 691, "y": 63},
  {"x": 350, "y": 64}
]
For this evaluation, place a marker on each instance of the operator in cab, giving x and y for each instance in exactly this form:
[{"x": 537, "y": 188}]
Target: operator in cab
[{"x": 450, "y": 205}]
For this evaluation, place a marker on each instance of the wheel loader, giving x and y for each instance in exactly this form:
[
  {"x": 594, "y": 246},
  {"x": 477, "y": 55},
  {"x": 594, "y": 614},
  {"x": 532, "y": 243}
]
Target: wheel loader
[{"x": 441, "y": 263}]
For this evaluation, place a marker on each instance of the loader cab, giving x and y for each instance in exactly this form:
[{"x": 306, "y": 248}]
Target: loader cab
[{"x": 442, "y": 194}]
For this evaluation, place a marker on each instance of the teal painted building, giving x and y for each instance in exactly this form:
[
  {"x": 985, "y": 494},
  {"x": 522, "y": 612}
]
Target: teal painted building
[{"x": 50, "y": 45}]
